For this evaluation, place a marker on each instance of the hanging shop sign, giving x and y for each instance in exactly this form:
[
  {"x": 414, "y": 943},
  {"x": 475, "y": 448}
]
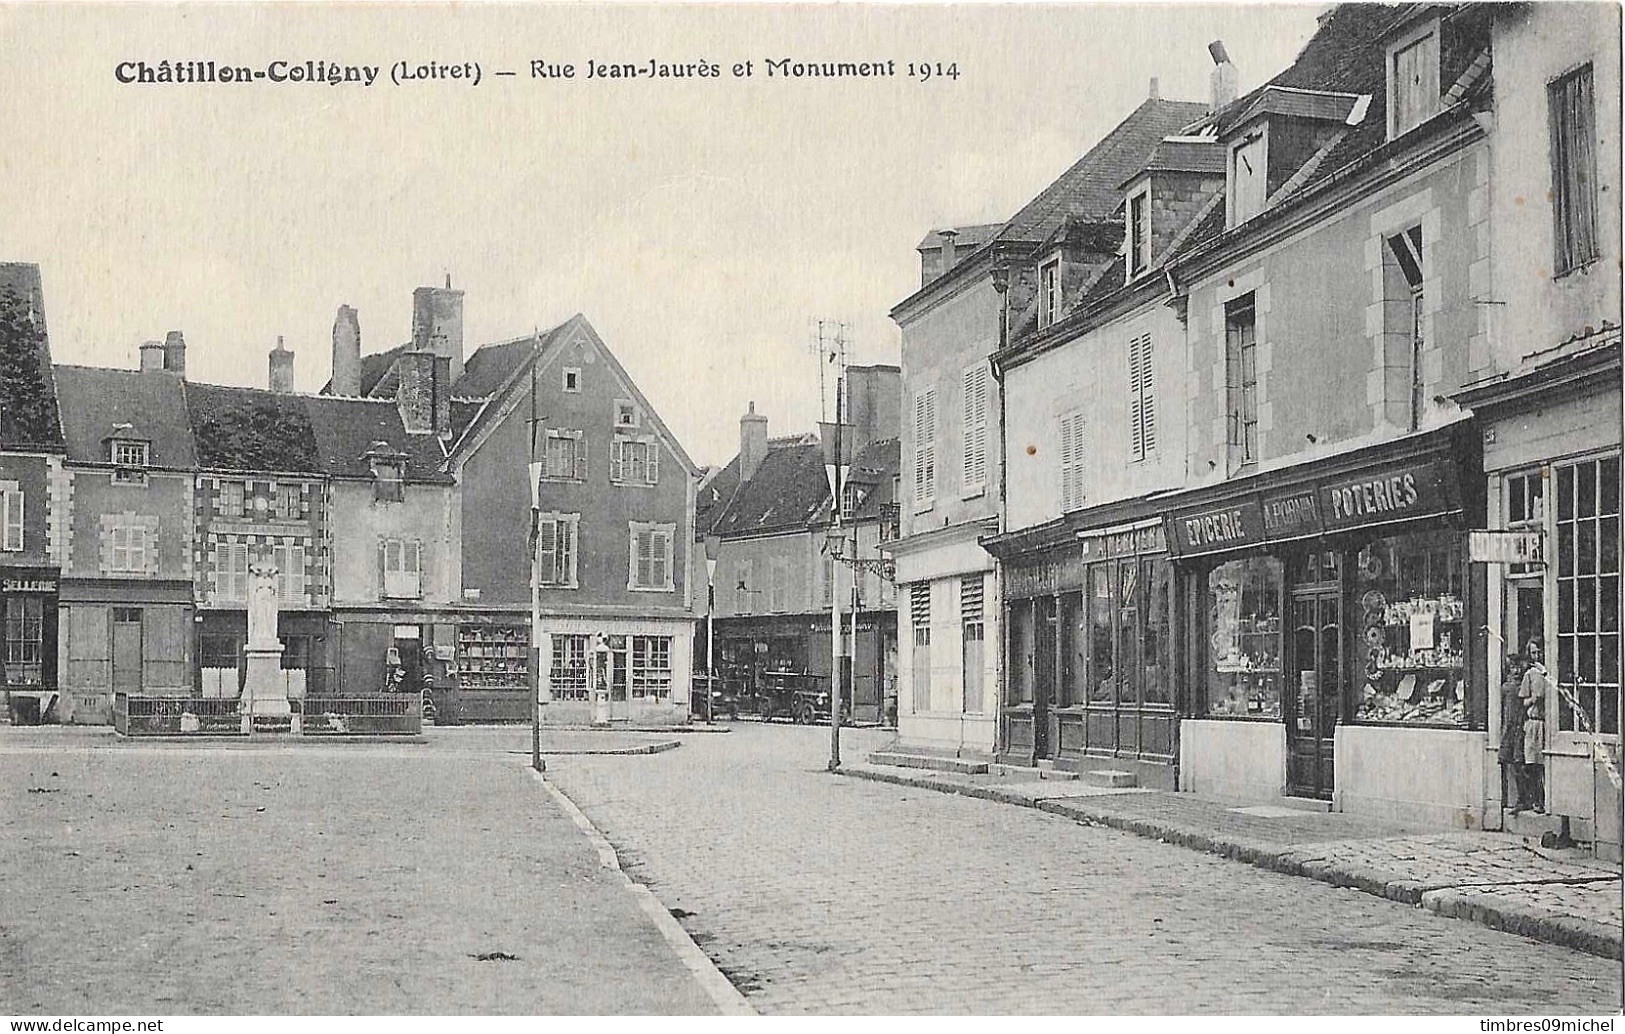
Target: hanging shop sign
[
  {"x": 1382, "y": 494},
  {"x": 1506, "y": 547}
]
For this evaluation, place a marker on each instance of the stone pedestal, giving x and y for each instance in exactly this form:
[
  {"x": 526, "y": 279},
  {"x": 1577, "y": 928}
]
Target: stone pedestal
[{"x": 264, "y": 690}]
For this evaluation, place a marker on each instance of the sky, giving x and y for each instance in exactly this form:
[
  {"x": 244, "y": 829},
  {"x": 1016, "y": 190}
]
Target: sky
[{"x": 702, "y": 225}]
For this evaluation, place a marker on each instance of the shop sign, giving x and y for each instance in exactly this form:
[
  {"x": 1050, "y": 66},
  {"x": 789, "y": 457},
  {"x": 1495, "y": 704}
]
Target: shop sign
[
  {"x": 46, "y": 585},
  {"x": 1291, "y": 515},
  {"x": 1392, "y": 493},
  {"x": 1235, "y": 524},
  {"x": 1048, "y": 577},
  {"x": 1506, "y": 547}
]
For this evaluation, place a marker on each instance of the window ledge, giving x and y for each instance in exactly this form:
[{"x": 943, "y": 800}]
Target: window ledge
[
  {"x": 558, "y": 480},
  {"x": 925, "y": 506},
  {"x": 634, "y": 484},
  {"x": 651, "y": 588},
  {"x": 974, "y": 493},
  {"x": 1579, "y": 269}
]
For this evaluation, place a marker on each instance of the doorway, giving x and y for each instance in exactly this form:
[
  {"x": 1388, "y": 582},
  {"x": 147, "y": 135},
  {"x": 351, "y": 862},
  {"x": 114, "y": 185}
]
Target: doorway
[
  {"x": 127, "y": 650},
  {"x": 1311, "y": 704},
  {"x": 1044, "y": 680},
  {"x": 620, "y": 705}
]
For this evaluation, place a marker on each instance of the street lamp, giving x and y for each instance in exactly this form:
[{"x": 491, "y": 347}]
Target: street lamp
[
  {"x": 837, "y": 450},
  {"x": 713, "y": 546}
]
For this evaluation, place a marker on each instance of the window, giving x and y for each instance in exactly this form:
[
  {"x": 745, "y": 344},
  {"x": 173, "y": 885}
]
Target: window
[
  {"x": 1241, "y": 378},
  {"x": 1413, "y": 80},
  {"x": 1574, "y": 170},
  {"x": 129, "y": 552},
  {"x": 852, "y": 497},
  {"x": 919, "y": 611},
  {"x": 974, "y": 480},
  {"x": 649, "y": 566},
  {"x": 566, "y": 456},
  {"x": 1142, "y": 413},
  {"x": 387, "y": 484},
  {"x": 403, "y": 568},
  {"x": 556, "y": 549},
  {"x": 25, "y": 638},
  {"x": 231, "y": 499},
  {"x": 626, "y": 413},
  {"x": 572, "y": 379},
  {"x": 1243, "y": 611},
  {"x": 231, "y": 570},
  {"x": 1526, "y": 511},
  {"x": 129, "y": 461},
  {"x": 973, "y": 634},
  {"x": 1139, "y": 233},
  {"x": 287, "y": 502},
  {"x": 925, "y": 448},
  {"x": 778, "y": 586},
  {"x": 1071, "y": 431},
  {"x": 1588, "y": 540},
  {"x": 289, "y": 558},
  {"x": 1049, "y": 293},
  {"x": 634, "y": 461},
  {"x": 11, "y": 517},
  {"x": 1249, "y": 181},
  {"x": 651, "y": 667},
  {"x": 1403, "y": 282},
  {"x": 570, "y": 675},
  {"x": 744, "y": 574},
  {"x": 218, "y": 650},
  {"x": 1413, "y": 631}
]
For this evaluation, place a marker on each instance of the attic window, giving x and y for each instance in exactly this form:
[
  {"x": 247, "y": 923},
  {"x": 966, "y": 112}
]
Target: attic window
[
  {"x": 1413, "y": 79},
  {"x": 1139, "y": 233},
  {"x": 1049, "y": 292},
  {"x": 626, "y": 413},
  {"x": 386, "y": 481},
  {"x": 572, "y": 378},
  {"x": 129, "y": 461},
  {"x": 1247, "y": 183}
]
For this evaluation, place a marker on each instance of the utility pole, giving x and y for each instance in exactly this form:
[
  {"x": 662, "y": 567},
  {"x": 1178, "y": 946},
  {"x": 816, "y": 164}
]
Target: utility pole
[
  {"x": 835, "y": 594},
  {"x": 535, "y": 652}
]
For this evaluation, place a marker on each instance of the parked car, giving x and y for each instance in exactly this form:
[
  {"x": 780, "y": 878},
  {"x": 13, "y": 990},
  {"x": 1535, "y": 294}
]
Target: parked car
[
  {"x": 724, "y": 698},
  {"x": 799, "y": 696}
]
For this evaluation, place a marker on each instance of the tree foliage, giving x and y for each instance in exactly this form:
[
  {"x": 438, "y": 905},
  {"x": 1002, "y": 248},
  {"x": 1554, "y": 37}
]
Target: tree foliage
[{"x": 28, "y": 414}]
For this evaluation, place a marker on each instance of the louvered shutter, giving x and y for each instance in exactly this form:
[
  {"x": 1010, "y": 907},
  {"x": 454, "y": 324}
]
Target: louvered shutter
[
  {"x": 654, "y": 461},
  {"x": 617, "y": 460},
  {"x": 547, "y": 552},
  {"x": 925, "y": 445},
  {"x": 975, "y": 472},
  {"x": 1136, "y": 410},
  {"x": 1148, "y": 397},
  {"x": 581, "y": 456}
]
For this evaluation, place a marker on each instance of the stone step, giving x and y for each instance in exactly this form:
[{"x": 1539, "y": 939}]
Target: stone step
[
  {"x": 1110, "y": 777},
  {"x": 1306, "y": 803},
  {"x": 933, "y": 762},
  {"x": 1044, "y": 770}
]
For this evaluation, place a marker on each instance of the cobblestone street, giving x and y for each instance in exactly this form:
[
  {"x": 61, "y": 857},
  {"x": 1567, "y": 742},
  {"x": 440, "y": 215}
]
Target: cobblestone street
[{"x": 820, "y": 894}]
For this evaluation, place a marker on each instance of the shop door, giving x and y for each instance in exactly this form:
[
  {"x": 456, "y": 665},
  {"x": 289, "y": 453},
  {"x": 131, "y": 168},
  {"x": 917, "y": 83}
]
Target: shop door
[
  {"x": 620, "y": 704},
  {"x": 126, "y": 650},
  {"x": 1312, "y": 701},
  {"x": 1043, "y": 672}
]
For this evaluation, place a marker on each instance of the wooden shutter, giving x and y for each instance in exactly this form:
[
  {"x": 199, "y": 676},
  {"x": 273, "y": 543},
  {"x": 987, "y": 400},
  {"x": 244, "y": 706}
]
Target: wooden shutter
[
  {"x": 547, "y": 551},
  {"x": 565, "y": 552},
  {"x": 975, "y": 430},
  {"x": 581, "y": 456},
  {"x": 11, "y": 501},
  {"x": 1071, "y": 462},
  {"x": 660, "y": 550},
  {"x": 1574, "y": 203},
  {"x": 653, "y": 445},
  {"x": 617, "y": 460},
  {"x": 925, "y": 445}
]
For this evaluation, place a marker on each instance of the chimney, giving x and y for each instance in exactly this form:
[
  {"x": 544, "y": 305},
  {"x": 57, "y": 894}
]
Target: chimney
[
  {"x": 1155, "y": 92},
  {"x": 437, "y": 324},
  {"x": 281, "y": 367},
  {"x": 948, "y": 236},
  {"x": 442, "y": 397},
  {"x": 346, "y": 378},
  {"x": 152, "y": 355},
  {"x": 752, "y": 443},
  {"x": 874, "y": 404},
  {"x": 414, "y": 391},
  {"x": 1222, "y": 81},
  {"x": 175, "y": 353}
]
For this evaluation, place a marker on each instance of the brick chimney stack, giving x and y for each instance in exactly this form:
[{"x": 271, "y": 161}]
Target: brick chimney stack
[
  {"x": 281, "y": 367},
  {"x": 437, "y": 323},
  {"x": 1223, "y": 82},
  {"x": 346, "y": 379},
  {"x": 152, "y": 355},
  {"x": 175, "y": 353},
  {"x": 414, "y": 390},
  {"x": 947, "y": 236},
  {"x": 752, "y": 443}
]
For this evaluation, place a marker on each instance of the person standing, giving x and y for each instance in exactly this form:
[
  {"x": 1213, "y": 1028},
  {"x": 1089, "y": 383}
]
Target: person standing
[
  {"x": 1514, "y": 793},
  {"x": 1533, "y": 692}
]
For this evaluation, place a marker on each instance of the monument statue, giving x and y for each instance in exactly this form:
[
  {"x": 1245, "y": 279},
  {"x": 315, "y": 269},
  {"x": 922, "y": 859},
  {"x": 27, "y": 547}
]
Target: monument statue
[{"x": 265, "y": 692}]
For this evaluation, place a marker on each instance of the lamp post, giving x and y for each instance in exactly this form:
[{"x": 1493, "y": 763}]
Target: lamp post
[
  {"x": 534, "y": 654},
  {"x": 836, "y": 462},
  {"x": 713, "y": 545}
]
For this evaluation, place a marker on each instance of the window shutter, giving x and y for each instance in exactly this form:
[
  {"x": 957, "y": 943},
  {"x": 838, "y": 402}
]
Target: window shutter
[
  {"x": 383, "y": 570},
  {"x": 661, "y": 543},
  {"x": 975, "y": 472},
  {"x": 547, "y": 552},
  {"x": 653, "y": 446},
  {"x": 12, "y": 503},
  {"x": 925, "y": 446},
  {"x": 1136, "y": 409},
  {"x": 617, "y": 460},
  {"x": 581, "y": 456},
  {"x": 1148, "y": 397}
]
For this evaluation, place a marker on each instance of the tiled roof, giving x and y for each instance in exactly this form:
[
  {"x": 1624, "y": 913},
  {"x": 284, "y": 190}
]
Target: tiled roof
[
  {"x": 966, "y": 237},
  {"x": 490, "y": 366},
  {"x": 713, "y": 496},
  {"x": 95, "y": 401},
  {"x": 28, "y": 409},
  {"x": 251, "y": 429},
  {"x": 788, "y": 491},
  {"x": 346, "y": 428},
  {"x": 376, "y": 367},
  {"x": 1184, "y": 154}
]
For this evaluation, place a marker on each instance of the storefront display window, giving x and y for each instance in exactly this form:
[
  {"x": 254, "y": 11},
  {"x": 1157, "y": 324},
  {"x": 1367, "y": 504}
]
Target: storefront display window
[
  {"x": 1588, "y": 571},
  {"x": 1102, "y": 684},
  {"x": 569, "y": 677},
  {"x": 1157, "y": 643},
  {"x": 1410, "y": 624},
  {"x": 1244, "y": 639},
  {"x": 1021, "y": 653},
  {"x": 25, "y": 639}
]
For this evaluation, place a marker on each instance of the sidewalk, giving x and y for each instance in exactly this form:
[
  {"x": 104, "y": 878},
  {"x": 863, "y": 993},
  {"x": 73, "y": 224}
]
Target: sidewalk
[{"x": 1561, "y": 897}]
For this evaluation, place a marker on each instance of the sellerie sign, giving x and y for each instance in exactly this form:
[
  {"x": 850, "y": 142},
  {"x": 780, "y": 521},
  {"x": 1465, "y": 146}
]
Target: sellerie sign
[{"x": 1380, "y": 495}]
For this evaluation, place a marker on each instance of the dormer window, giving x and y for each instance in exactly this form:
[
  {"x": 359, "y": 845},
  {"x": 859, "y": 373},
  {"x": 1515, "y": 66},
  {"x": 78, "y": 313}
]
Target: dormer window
[
  {"x": 388, "y": 473},
  {"x": 1247, "y": 176},
  {"x": 128, "y": 454},
  {"x": 1049, "y": 292},
  {"x": 1413, "y": 79},
  {"x": 1139, "y": 233}
]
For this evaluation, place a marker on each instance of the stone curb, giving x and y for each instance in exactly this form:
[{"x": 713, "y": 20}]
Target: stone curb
[
  {"x": 727, "y": 998},
  {"x": 646, "y": 748},
  {"x": 1473, "y": 906}
]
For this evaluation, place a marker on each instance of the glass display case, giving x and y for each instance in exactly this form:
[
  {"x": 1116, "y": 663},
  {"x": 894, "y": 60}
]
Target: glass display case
[{"x": 492, "y": 657}]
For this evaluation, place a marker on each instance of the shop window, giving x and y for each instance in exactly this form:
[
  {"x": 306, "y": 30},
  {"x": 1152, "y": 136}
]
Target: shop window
[
  {"x": 1588, "y": 545},
  {"x": 1241, "y": 379},
  {"x": 919, "y": 610},
  {"x": 25, "y": 639},
  {"x": 217, "y": 650},
  {"x": 570, "y": 675},
  {"x": 1526, "y": 511},
  {"x": 1102, "y": 672},
  {"x": 1072, "y": 627},
  {"x": 1409, "y": 593},
  {"x": 651, "y": 668},
  {"x": 296, "y": 651},
  {"x": 972, "y": 634},
  {"x": 11, "y": 518},
  {"x": 1156, "y": 637},
  {"x": 566, "y": 453},
  {"x": 1574, "y": 169},
  {"x": 493, "y": 657},
  {"x": 650, "y": 566},
  {"x": 556, "y": 549},
  {"x": 1022, "y": 638},
  {"x": 1243, "y": 608}
]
